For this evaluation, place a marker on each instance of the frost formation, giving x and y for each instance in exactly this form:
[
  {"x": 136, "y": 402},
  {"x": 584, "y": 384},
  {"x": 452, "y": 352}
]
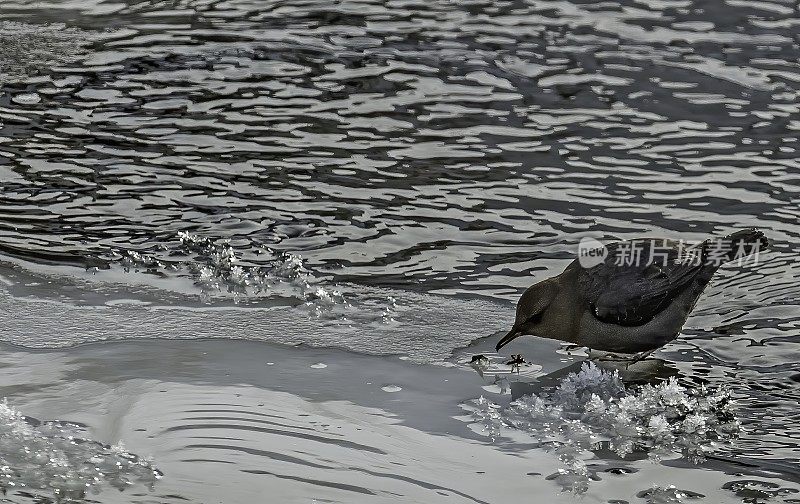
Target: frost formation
[
  {"x": 220, "y": 273},
  {"x": 52, "y": 461},
  {"x": 593, "y": 409}
]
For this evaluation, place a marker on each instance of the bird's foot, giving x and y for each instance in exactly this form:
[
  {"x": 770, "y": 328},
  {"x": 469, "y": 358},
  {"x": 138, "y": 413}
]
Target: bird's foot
[{"x": 516, "y": 361}]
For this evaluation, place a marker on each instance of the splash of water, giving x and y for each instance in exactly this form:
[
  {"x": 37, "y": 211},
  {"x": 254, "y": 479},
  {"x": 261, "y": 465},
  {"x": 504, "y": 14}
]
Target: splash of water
[{"x": 54, "y": 459}]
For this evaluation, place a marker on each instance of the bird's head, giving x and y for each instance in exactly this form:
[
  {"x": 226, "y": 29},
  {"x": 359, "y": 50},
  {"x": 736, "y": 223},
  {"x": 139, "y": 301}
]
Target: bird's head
[{"x": 530, "y": 309}]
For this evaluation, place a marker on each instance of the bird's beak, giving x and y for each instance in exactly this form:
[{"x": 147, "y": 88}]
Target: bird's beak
[{"x": 513, "y": 333}]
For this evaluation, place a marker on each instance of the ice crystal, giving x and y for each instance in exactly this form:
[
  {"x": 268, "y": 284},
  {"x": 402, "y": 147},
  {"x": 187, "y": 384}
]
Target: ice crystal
[
  {"x": 290, "y": 267},
  {"x": 321, "y": 300},
  {"x": 667, "y": 495},
  {"x": 132, "y": 260},
  {"x": 594, "y": 408},
  {"x": 220, "y": 273},
  {"x": 218, "y": 269},
  {"x": 387, "y": 316},
  {"x": 53, "y": 461},
  {"x": 757, "y": 491},
  {"x": 573, "y": 477}
]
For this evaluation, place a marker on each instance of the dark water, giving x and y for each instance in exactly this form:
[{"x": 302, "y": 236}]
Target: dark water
[
  {"x": 405, "y": 150},
  {"x": 436, "y": 145}
]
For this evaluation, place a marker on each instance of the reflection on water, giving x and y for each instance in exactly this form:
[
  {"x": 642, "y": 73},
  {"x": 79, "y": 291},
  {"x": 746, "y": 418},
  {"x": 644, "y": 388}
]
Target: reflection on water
[{"x": 373, "y": 167}]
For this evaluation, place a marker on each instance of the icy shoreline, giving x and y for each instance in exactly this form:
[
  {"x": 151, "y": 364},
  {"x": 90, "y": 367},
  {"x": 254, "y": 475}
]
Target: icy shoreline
[
  {"x": 227, "y": 413},
  {"x": 227, "y": 420}
]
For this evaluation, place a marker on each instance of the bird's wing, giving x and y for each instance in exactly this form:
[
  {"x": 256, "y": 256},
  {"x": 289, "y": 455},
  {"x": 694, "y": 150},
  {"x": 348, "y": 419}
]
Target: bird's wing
[{"x": 630, "y": 290}]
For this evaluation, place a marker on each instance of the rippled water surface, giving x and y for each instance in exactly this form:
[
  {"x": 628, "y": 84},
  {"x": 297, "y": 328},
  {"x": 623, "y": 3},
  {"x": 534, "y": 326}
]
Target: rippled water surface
[{"x": 386, "y": 177}]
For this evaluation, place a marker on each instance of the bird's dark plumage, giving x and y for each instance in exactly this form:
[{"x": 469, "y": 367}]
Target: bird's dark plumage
[
  {"x": 632, "y": 294},
  {"x": 636, "y": 298}
]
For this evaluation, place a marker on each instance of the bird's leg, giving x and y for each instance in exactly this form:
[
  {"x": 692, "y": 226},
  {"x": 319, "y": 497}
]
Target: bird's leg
[
  {"x": 640, "y": 356},
  {"x": 516, "y": 361}
]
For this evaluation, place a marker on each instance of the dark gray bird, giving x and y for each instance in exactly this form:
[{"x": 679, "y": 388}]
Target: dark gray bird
[{"x": 633, "y": 299}]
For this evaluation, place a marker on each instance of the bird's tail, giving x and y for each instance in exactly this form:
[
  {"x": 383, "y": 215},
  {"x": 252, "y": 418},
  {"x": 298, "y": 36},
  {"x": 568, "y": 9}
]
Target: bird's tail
[{"x": 738, "y": 245}]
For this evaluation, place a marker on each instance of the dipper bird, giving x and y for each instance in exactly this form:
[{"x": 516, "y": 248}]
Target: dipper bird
[{"x": 634, "y": 296}]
